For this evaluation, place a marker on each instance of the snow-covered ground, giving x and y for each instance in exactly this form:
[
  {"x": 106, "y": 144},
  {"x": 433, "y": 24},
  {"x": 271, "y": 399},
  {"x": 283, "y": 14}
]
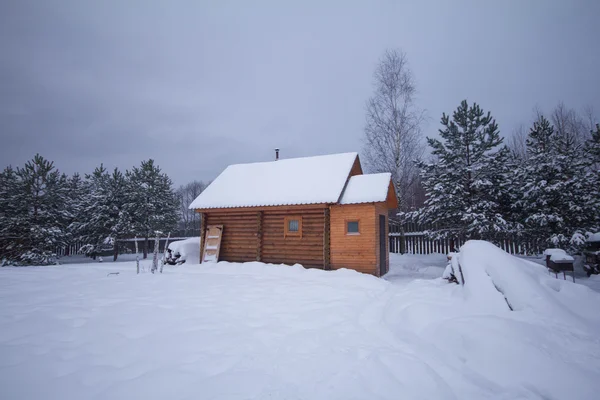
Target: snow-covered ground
[
  {"x": 243, "y": 331},
  {"x": 82, "y": 259}
]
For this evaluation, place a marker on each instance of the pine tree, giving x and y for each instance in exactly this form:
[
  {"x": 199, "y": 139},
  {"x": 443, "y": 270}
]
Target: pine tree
[
  {"x": 464, "y": 183},
  {"x": 77, "y": 191},
  {"x": 118, "y": 214},
  {"x": 152, "y": 203},
  {"x": 555, "y": 200},
  {"x": 42, "y": 195},
  {"x": 12, "y": 233},
  {"x": 105, "y": 217},
  {"x": 503, "y": 191},
  {"x": 591, "y": 181},
  {"x": 538, "y": 202},
  {"x": 89, "y": 223},
  {"x": 572, "y": 167}
]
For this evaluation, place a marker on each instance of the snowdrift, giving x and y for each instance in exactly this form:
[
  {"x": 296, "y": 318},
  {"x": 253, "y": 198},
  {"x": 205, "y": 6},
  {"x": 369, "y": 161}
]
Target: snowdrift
[
  {"x": 496, "y": 281},
  {"x": 188, "y": 248}
]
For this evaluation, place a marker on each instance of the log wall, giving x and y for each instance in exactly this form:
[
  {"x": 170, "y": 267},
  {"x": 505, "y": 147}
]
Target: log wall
[
  {"x": 240, "y": 234},
  {"x": 358, "y": 252},
  {"x": 306, "y": 249},
  {"x": 250, "y": 235}
]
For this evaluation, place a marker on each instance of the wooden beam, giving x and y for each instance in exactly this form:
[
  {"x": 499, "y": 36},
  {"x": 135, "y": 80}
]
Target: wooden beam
[
  {"x": 202, "y": 234},
  {"x": 326, "y": 241},
  {"x": 259, "y": 234}
]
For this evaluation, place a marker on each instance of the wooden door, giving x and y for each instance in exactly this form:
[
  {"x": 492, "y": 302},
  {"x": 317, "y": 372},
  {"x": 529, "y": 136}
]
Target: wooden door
[
  {"x": 212, "y": 243},
  {"x": 382, "y": 246}
]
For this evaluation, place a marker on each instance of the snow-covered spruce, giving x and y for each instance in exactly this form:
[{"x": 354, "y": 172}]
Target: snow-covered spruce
[
  {"x": 556, "y": 199},
  {"x": 465, "y": 183},
  {"x": 103, "y": 218},
  {"x": 35, "y": 209},
  {"x": 152, "y": 204}
]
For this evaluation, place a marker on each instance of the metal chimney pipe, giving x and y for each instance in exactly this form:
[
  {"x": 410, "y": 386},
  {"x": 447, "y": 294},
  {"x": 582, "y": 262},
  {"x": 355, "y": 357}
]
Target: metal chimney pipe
[{"x": 276, "y": 154}]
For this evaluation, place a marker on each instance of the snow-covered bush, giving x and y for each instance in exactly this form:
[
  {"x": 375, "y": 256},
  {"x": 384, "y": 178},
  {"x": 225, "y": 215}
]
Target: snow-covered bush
[{"x": 185, "y": 251}]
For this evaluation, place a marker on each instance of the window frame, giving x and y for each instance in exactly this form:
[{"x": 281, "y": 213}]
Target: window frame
[
  {"x": 286, "y": 226},
  {"x": 346, "y": 221}
]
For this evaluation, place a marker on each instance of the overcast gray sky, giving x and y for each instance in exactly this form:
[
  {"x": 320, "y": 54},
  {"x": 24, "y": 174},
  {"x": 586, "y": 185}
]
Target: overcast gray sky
[{"x": 198, "y": 85}]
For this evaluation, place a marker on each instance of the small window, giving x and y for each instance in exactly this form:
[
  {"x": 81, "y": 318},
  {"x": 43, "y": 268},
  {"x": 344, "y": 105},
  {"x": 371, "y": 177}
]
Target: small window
[
  {"x": 352, "y": 228},
  {"x": 293, "y": 226}
]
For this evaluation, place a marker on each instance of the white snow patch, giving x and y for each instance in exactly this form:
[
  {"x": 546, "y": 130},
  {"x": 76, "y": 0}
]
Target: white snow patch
[
  {"x": 258, "y": 331},
  {"x": 593, "y": 237},
  {"x": 407, "y": 267}
]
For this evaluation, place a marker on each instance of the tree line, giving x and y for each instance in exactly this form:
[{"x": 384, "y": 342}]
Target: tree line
[
  {"x": 42, "y": 209},
  {"x": 542, "y": 188},
  {"x": 476, "y": 187}
]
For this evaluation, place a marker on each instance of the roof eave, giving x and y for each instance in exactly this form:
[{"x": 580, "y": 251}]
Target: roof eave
[{"x": 290, "y": 207}]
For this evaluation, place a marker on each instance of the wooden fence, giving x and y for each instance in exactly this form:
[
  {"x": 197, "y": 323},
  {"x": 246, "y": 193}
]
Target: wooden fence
[
  {"x": 411, "y": 239},
  {"x": 125, "y": 246},
  {"x": 69, "y": 250}
]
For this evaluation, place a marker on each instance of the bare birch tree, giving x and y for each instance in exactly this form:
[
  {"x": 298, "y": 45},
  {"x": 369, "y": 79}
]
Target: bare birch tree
[
  {"x": 572, "y": 126},
  {"x": 517, "y": 143},
  {"x": 185, "y": 195},
  {"x": 393, "y": 140}
]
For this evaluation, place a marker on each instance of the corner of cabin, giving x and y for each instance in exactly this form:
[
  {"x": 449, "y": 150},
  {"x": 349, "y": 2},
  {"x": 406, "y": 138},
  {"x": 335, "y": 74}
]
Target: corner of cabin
[
  {"x": 351, "y": 249},
  {"x": 381, "y": 211}
]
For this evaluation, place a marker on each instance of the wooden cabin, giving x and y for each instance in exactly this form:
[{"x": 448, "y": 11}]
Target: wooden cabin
[{"x": 321, "y": 212}]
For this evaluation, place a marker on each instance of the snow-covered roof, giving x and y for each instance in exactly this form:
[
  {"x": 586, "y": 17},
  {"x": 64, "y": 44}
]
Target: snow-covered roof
[
  {"x": 369, "y": 188},
  {"x": 560, "y": 257},
  {"x": 307, "y": 180},
  {"x": 549, "y": 252},
  {"x": 593, "y": 237}
]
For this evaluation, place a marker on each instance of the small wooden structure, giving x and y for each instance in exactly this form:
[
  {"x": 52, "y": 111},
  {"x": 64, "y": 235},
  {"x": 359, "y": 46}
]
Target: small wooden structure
[
  {"x": 557, "y": 260},
  {"x": 321, "y": 212}
]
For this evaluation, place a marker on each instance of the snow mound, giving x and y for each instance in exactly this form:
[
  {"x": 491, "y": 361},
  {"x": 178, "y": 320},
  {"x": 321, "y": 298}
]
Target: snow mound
[
  {"x": 497, "y": 281},
  {"x": 188, "y": 248}
]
